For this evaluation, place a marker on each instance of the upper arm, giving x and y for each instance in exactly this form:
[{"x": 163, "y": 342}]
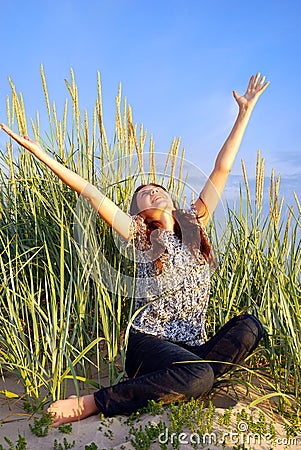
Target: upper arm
[
  {"x": 116, "y": 218},
  {"x": 210, "y": 194},
  {"x": 110, "y": 212}
]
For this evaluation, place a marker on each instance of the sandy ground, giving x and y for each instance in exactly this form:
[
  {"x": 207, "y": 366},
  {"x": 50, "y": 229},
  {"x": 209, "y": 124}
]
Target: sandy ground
[{"x": 113, "y": 433}]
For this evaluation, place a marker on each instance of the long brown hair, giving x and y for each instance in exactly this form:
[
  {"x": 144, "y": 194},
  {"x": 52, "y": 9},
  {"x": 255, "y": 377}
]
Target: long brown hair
[{"x": 187, "y": 228}]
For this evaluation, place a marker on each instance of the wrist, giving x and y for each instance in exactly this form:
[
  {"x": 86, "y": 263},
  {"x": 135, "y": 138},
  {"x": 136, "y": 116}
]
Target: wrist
[{"x": 245, "y": 111}]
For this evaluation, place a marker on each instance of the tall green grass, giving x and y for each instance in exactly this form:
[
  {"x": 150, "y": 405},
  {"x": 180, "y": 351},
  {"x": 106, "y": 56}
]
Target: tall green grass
[
  {"x": 259, "y": 272},
  {"x": 57, "y": 322}
]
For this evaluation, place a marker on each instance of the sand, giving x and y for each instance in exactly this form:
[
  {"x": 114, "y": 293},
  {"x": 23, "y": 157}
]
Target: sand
[{"x": 114, "y": 433}]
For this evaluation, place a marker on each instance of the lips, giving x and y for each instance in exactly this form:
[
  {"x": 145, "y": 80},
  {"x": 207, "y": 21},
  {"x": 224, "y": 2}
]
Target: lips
[{"x": 156, "y": 197}]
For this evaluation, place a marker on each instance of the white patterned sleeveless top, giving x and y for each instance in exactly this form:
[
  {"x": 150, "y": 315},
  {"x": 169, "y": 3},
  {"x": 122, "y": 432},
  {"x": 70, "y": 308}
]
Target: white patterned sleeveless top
[{"x": 170, "y": 305}]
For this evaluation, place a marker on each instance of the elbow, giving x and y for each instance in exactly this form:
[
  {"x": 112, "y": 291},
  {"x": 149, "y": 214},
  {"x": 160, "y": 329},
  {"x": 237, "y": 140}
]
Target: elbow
[
  {"x": 223, "y": 169},
  {"x": 92, "y": 195}
]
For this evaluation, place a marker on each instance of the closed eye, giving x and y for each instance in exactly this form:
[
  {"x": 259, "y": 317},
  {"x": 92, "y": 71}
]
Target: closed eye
[{"x": 145, "y": 192}]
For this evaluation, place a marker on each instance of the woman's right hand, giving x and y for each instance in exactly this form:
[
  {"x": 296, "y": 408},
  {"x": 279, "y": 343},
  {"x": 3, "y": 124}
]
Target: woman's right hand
[{"x": 25, "y": 141}]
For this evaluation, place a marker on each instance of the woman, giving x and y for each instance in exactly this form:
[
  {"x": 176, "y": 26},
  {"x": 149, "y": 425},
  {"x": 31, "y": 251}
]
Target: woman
[{"x": 167, "y": 348}]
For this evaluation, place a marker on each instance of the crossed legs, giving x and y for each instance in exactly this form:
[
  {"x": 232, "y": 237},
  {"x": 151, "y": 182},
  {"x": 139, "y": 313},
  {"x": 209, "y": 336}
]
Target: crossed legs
[{"x": 163, "y": 371}]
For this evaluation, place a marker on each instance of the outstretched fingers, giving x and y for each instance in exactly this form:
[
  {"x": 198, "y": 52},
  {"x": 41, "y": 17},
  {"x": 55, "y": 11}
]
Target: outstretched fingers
[
  {"x": 4, "y": 127},
  {"x": 12, "y": 134},
  {"x": 264, "y": 86},
  {"x": 259, "y": 83},
  {"x": 251, "y": 84},
  {"x": 257, "y": 76},
  {"x": 24, "y": 141}
]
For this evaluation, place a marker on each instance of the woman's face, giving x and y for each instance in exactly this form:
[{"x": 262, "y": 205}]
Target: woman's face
[{"x": 153, "y": 198}]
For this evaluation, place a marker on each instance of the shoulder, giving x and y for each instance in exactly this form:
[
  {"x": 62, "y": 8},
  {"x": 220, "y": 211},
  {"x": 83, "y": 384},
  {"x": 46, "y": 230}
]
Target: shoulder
[
  {"x": 138, "y": 232},
  {"x": 201, "y": 211},
  {"x": 137, "y": 225}
]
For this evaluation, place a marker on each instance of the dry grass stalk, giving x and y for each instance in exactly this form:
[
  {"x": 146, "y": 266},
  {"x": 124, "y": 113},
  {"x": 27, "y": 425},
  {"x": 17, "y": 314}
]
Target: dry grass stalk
[
  {"x": 152, "y": 160},
  {"x": 287, "y": 226},
  {"x": 74, "y": 95},
  {"x": 297, "y": 203},
  {"x": 21, "y": 121},
  {"x": 259, "y": 181},
  {"x": 23, "y": 115},
  {"x": 8, "y": 112},
  {"x": 244, "y": 171},
  {"x": 44, "y": 84},
  {"x": 272, "y": 181},
  {"x": 99, "y": 108}
]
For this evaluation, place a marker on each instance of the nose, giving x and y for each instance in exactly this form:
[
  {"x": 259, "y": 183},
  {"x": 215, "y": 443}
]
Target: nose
[{"x": 154, "y": 190}]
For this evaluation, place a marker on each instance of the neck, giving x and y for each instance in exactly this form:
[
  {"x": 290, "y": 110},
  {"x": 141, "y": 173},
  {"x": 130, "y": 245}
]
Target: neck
[
  {"x": 165, "y": 218},
  {"x": 167, "y": 221}
]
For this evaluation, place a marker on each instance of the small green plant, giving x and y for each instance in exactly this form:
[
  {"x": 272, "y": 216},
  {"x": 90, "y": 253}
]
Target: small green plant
[
  {"x": 199, "y": 425},
  {"x": 41, "y": 426},
  {"x": 65, "y": 446},
  {"x": 224, "y": 419},
  {"x": 109, "y": 434},
  {"x": 153, "y": 408},
  {"x": 32, "y": 405},
  {"x": 91, "y": 446},
  {"x": 20, "y": 445},
  {"x": 27, "y": 406},
  {"x": 105, "y": 422},
  {"x": 66, "y": 428},
  {"x": 143, "y": 436}
]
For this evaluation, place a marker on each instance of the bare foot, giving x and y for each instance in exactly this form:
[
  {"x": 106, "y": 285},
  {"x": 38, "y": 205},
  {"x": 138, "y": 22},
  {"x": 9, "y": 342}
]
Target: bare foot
[{"x": 72, "y": 409}]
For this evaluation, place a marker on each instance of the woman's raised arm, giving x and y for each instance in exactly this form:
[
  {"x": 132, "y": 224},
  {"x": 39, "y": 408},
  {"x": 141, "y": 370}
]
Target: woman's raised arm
[
  {"x": 212, "y": 191},
  {"x": 107, "y": 209}
]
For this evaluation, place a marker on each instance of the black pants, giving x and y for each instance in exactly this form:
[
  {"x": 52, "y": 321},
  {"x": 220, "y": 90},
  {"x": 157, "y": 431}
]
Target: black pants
[{"x": 152, "y": 365}]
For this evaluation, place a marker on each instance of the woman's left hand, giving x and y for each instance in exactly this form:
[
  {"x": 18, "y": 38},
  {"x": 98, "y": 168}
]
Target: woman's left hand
[{"x": 255, "y": 88}]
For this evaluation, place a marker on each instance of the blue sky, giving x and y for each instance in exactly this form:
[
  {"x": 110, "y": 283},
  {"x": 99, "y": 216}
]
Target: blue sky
[{"x": 178, "y": 62}]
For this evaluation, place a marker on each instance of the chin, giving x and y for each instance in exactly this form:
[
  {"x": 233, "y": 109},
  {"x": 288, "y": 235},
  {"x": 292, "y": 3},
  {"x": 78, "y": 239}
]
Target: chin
[{"x": 161, "y": 202}]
